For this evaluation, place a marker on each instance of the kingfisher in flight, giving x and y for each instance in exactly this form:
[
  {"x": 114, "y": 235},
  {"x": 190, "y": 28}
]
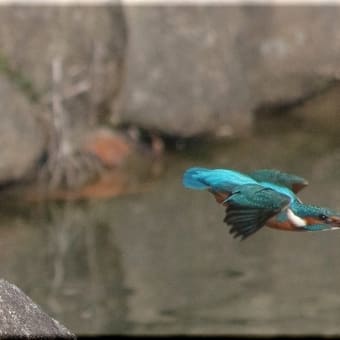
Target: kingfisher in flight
[{"x": 265, "y": 197}]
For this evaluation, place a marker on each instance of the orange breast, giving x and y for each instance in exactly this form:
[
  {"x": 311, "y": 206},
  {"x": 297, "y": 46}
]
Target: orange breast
[
  {"x": 312, "y": 220},
  {"x": 287, "y": 225}
]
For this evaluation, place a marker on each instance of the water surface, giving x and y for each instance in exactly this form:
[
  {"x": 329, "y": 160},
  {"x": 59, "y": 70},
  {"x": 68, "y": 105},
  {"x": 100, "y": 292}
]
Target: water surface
[{"x": 161, "y": 261}]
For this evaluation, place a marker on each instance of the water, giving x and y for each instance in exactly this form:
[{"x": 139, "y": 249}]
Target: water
[{"x": 161, "y": 261}]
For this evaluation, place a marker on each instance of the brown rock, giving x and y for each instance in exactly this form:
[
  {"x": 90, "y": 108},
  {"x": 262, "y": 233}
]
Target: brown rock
[{"x": 111, "y": 148}]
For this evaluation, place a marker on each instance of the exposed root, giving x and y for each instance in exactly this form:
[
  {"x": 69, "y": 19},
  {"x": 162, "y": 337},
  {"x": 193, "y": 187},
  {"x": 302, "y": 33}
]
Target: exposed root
[
  {"x": 71, "y": 171},
  {"x": 66, "y": 166}
]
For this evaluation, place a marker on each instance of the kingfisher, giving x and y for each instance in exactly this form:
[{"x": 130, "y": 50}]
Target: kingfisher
[{"x": 265, "y": 197}]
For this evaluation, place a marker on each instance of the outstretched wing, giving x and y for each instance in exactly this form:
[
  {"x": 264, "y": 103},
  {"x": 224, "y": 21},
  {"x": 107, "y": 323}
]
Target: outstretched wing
[
  {"x": 250, "y": 206},
  {"x": 292, "y": 182}
]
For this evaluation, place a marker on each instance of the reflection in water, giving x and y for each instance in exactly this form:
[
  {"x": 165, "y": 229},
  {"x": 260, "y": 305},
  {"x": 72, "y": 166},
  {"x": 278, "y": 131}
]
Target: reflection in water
[
  {"x": 65, "y": 257},
  {"x": 162, "y": 261},
  {"x": 87, "y": 278}
]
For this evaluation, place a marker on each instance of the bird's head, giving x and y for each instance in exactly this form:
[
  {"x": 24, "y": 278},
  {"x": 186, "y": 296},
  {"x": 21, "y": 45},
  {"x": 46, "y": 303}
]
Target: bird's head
[{"x": 320, "y": 216}]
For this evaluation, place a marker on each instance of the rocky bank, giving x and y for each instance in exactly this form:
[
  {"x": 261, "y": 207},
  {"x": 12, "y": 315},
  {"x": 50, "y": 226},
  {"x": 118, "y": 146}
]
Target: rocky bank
[{"x": 177, "y": 70}]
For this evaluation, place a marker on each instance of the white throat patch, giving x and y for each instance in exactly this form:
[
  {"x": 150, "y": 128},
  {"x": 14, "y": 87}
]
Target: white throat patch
[{"x": 296, "y": 220}]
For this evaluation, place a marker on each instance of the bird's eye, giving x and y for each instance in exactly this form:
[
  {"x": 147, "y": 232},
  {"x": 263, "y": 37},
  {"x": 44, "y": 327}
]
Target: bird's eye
[{"x": 323, "y": 217}]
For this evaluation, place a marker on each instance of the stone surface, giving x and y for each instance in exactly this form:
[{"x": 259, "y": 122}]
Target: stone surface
[
  {"x": 199, "y": 69},
  {"x": 190, "y": 70},
  {"x": 21, "y": 317},
  {"x": 21, "y": 137},
  {"x": 85, "y": 46},
  {"x": 89, "y": 43}
]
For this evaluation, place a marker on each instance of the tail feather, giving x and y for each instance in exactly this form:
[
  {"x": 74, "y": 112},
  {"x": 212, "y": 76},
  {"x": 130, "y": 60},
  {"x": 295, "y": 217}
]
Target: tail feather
[{"x": 192, "y": 178}]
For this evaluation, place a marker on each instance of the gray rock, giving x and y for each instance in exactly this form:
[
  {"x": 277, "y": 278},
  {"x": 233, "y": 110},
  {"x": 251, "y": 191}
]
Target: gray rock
[
  {"x": 21, "y": 137},
  {"x": 89, "y": 41},
  {"x": 201, "y": 69},
  {"x": 21, "y": 317},
  {"x": 88, "y": 44}
]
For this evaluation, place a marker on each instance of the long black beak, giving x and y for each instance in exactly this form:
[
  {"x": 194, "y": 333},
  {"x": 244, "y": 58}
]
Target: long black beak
[{"x": 334, "y": 221}]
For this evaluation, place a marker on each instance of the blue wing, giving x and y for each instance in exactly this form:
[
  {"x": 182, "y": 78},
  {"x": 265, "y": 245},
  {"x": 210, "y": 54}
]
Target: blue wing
[
  {"x": 250, "y": 206},
  {"x": 292, "y": 182}
]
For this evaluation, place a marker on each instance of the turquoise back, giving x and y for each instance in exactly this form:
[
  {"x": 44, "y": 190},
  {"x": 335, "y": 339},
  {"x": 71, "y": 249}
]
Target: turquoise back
[{"x": 216, "y": 179}]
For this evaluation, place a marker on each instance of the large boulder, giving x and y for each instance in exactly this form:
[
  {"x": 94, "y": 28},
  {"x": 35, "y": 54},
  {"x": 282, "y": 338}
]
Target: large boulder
[
  {"x": 21, "y": 136},
  {"x": 88, "y": 42},
  {"x": 61, "y": 65},
  {"x": 20, "y": 317},
  {"x": 205, "y": 69}
]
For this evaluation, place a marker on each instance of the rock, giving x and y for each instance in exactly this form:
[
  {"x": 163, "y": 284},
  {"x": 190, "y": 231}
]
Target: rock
[
  {"x": 287, "y": 58},
  {"x": 205, "y": 69},
  {"x": 89, "y": 42},
  {"x": 320, "y": 113},
  {"x": 21, "y": 137},
  {"x": 180, "y": 74},
  {"x": 21, "y": 317},
  {"x": 111, "y": 148}
]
